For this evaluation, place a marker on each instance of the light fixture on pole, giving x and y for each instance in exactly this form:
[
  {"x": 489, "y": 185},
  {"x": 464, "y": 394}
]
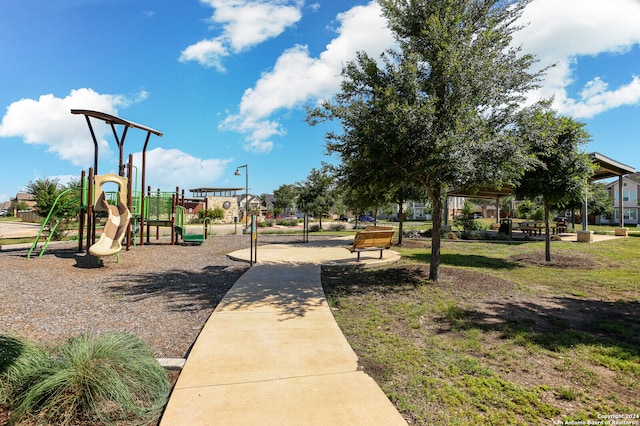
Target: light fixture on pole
[{"x": 246, "y": 192}]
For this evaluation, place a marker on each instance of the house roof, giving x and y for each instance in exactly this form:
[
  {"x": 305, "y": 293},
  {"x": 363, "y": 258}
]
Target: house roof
[
  {"x": 634, "y": 177},
  {"x": 22, "y": 196}
]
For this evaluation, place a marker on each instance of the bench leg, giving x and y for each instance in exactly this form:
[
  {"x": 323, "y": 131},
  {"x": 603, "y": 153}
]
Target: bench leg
[
  {"x": 380, "y": 254},
  {"x": 358, "y": 256}
]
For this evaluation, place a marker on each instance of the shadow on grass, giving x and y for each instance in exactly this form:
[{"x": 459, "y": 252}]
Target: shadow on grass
[
  {"x": 558, "y": 323},
  {"x": 466, "y": 260},
  {"x": 347, "y": 281},
  {"x": 476, "y": 300}
]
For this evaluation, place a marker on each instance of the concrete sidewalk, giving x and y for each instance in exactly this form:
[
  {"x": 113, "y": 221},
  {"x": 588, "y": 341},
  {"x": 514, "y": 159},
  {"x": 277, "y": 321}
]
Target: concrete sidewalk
[{"x": 272, "y": 354}]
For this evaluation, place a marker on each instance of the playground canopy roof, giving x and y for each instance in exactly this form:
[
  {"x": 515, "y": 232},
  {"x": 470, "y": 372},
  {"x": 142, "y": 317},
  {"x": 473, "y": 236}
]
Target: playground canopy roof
[
  {"x": 605, "y": 168},
  {"x": 490, "y": 193},
  {"x": 112, "y": 119},
  {"x": 608, "y": 168}
]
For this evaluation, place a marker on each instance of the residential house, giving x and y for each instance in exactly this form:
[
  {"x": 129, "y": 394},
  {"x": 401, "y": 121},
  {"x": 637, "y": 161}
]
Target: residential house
[
  {"x": 630, "y": 186},
  {"x": 254, "y": 205},
  {"x": 270, "y": 203},
  {"x": 28, "y": 199}
]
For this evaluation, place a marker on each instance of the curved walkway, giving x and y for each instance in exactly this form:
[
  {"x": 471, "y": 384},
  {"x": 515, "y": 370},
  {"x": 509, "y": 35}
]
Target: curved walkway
[{"x": 272, "y": 354}]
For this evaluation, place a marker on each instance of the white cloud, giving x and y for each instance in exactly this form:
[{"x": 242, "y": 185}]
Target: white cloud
[
  {"x": 244, "y": 24},
  {"x": 64, "y": 179},
  {"x": 561, "y": 32},
  {"x": 168, "y": 168},
  {"x": 297, "y": 77},
  {"x": 596, "y": 98},
  {"x": 207, "y": 52},
  {"x": 48, "y": 121}
]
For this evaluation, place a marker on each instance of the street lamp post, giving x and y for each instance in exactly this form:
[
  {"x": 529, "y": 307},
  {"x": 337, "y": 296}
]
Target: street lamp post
[{"x": 246, "y": 192}]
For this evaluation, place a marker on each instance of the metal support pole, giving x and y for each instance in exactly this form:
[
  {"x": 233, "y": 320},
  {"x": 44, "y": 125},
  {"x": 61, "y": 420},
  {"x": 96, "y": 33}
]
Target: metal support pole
[
  {"x": 585, "y": 208},
  {"x": 246, "y": 193},
  {"x": 620, "y": 197}
]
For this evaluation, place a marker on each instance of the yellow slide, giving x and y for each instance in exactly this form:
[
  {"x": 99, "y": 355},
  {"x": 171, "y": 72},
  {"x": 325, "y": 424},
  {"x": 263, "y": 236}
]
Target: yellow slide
[{"x": 110, "y": 242}]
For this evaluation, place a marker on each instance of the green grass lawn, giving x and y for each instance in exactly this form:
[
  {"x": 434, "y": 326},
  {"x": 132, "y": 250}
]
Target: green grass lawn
[{"x": 501, "y": 338}]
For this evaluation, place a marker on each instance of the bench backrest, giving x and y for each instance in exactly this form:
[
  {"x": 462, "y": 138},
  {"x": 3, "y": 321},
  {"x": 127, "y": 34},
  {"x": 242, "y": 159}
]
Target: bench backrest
[
  {"x": 373, "y": 239},
  {"x": 378, "y": 228}
]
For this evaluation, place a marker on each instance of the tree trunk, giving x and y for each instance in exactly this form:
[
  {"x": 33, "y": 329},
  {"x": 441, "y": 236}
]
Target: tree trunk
[
  {"x": 401, "y": 220},
  {"x": 436, "y": 200},
  {"x": 547, "y": 236}
]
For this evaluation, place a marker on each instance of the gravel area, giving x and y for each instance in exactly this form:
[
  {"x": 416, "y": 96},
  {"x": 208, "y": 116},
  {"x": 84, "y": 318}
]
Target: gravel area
[{"x": 161, "y": 293}]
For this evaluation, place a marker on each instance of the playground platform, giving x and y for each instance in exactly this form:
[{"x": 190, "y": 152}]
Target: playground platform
[{"x": 272, "y": 354}]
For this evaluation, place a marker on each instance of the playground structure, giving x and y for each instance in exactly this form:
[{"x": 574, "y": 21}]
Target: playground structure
[
  {"x": 118, "y": 219},
  {"x": 128, "y": 209}
]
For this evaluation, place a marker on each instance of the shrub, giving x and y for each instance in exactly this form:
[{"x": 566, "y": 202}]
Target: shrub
[
  {"x": 472, "y": 235},
  {"x": 467, "y": 223},
  {"x": 287, "y": 222},
  {"x": 503, "y": 237},
  {"x": 315, "y": 228},
  {"x": 101, "y": 380},
  {"x": 212, "y": 214},
  {"x": 337, "y": 227}
]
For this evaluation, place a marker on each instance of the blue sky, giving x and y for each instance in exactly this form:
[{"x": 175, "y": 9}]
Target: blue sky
[{"x": 226, "y": 81}]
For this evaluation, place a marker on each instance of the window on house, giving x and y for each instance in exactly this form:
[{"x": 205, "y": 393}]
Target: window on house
[
  {"x": 629, "y": 214},
  {"x": 627, "y": 195}
]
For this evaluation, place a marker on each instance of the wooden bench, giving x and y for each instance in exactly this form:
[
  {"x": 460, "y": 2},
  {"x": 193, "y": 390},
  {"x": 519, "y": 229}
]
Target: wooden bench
[
  {"x": 378, "y": 228},
  {"x": 371, "y": 240}
]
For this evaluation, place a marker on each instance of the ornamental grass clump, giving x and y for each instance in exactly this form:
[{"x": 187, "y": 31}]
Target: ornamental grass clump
[
  {"x": 18, "y": 357},
  {"x": 94, "y": 379}
]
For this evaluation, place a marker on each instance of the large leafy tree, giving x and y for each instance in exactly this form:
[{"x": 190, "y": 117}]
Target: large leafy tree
[
  {"x": 400, "y": 195},
  {"x": 45, "y": 191},
  {"x": 599, "y": 201},
  {"x": 435, "y": 112},
  {"x": 284, "y": 197},
  {"x": 61, "y": 201},
  {"x": 562, "y": 171},
  {"x": 316, "y": 193}
]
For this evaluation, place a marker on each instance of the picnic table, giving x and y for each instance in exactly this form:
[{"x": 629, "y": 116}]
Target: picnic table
[{"x": 537, "y": 228}]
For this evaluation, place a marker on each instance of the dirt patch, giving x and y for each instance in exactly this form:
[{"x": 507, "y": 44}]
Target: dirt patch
[{"x": 564, "y": 259}]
